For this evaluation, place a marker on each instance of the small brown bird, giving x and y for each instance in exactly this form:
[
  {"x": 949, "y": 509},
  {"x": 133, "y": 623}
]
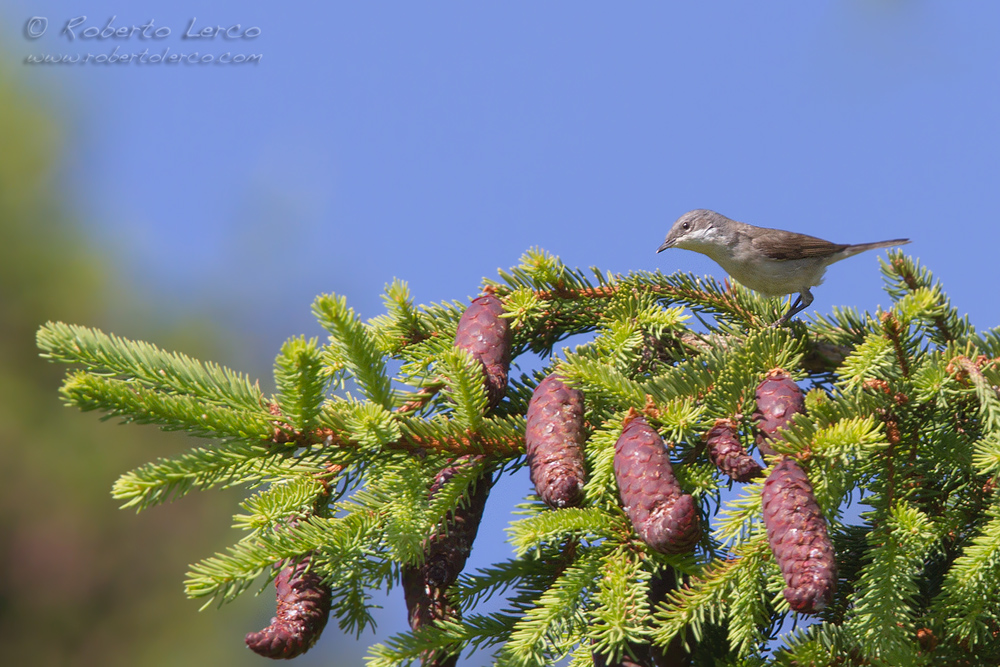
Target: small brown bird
[{"x": 770, "y": 261}]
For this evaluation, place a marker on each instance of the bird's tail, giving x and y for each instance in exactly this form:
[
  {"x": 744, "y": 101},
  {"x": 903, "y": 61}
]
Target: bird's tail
[{"x": 861, "y": 247}]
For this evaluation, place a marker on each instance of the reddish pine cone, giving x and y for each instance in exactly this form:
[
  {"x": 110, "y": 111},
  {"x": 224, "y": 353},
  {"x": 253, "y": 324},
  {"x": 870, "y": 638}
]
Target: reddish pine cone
[
  {"x": 424, "y": 605},
  {"x": 665, "y": 518},
  {"x": 486, "y": 335},
  {"x": 448, "y": 548},
  {"x": 554, "y": 439},
  {"x": 727, "y": 453},
  {"x": 303, "y": 608},
  {"x": 797, "y": 533},
  {"x": 445, "y": 552},
  {"x": 778, "y": 398}
]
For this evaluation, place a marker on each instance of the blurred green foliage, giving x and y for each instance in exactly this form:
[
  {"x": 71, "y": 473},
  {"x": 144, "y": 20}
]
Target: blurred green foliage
[{"x": 81, "y": 582}]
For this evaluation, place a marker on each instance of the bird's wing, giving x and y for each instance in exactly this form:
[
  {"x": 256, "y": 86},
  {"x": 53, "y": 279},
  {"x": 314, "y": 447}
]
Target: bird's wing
[{"x": 780, "y": 244}]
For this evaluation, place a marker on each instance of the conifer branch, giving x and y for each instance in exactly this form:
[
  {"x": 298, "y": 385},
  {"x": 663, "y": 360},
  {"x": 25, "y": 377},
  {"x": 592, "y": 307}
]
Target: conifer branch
[
  {"x": 225, "y": 465},
  {"x": 403, "y": 324},
  {"x": 882, "y": 620},
  {"x": 299, "y": 376},
  {"x": 135, "y": 403},
  {"x": 387, "y": 487},
  {"x": 620, "y": 615},
  {"x": 473, "y": 632},
  {"x": 703, "y": 295},
  {"x": 545, "y": 633},
  {"x": 705, "y": 600},
  {"x": 464, "y": 386},
  {"x": 528, "y": 535},
  {"x": 987, "y": 393},
  {"x": 353, "y": 348},
  {"x": 904, "y": 275},
  {"x": 288, "y": 500},
  {"x": 225, "y": 576},
  {"x": 170, "y": 372},
  {"x": 968, "y": 605}
]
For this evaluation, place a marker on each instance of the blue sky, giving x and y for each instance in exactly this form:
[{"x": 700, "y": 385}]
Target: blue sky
[{"x": 437, "y": 141}]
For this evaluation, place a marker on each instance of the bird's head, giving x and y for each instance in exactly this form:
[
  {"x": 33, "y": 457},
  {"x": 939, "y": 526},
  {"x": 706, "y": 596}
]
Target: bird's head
[{"x": 698, "y": 230}]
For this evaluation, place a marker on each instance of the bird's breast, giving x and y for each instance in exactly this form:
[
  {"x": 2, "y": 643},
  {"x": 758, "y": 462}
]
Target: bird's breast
[{"x": 773, "y": 277}]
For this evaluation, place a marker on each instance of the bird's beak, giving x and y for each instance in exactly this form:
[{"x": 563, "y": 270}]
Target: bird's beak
[{"x": 666, "y": 244}]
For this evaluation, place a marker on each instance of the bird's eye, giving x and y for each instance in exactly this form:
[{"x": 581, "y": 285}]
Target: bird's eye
[{"x": 686, "y": 225}]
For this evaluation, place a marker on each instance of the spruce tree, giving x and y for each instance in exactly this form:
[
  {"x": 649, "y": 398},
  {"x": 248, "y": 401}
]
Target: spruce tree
[{"x": 869, "y": 520}]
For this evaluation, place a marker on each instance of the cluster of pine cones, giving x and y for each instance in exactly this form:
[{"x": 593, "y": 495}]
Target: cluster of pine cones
[{"x": 663, "y": 516}]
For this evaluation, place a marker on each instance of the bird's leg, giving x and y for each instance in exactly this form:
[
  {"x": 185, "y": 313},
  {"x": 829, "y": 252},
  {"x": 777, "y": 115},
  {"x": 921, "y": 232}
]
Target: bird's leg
[
  {"x": 801, "y": 303},
  {"x": 791, "y": 310}
]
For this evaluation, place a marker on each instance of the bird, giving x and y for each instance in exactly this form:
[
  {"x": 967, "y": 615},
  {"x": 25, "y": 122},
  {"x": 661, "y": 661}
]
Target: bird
[{"x": 772, "y": 262}]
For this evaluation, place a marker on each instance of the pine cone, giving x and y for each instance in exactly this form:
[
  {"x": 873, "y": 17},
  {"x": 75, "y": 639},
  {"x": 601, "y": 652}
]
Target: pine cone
[
  {"x": 798, "y": 537},
  {"x": 487, "y": 336},
  {"x": 554, "y": 439},
  {"x": 727, "y": 453},
  {"x": 665, "y": 518},
  {"x": 778, "y": 398},
  {"x": 303, "y": 608},
  {"x": 424, "y": 605},
  {"x": 445, "y": 551}
]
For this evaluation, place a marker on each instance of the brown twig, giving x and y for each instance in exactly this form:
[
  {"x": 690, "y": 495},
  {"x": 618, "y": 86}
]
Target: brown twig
[
  {"x": 893, "y": 331},
  {"x": 421, "y": 398},
  {"x": 470, "y": 443},
  {"x": 894, "y": 437}
]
